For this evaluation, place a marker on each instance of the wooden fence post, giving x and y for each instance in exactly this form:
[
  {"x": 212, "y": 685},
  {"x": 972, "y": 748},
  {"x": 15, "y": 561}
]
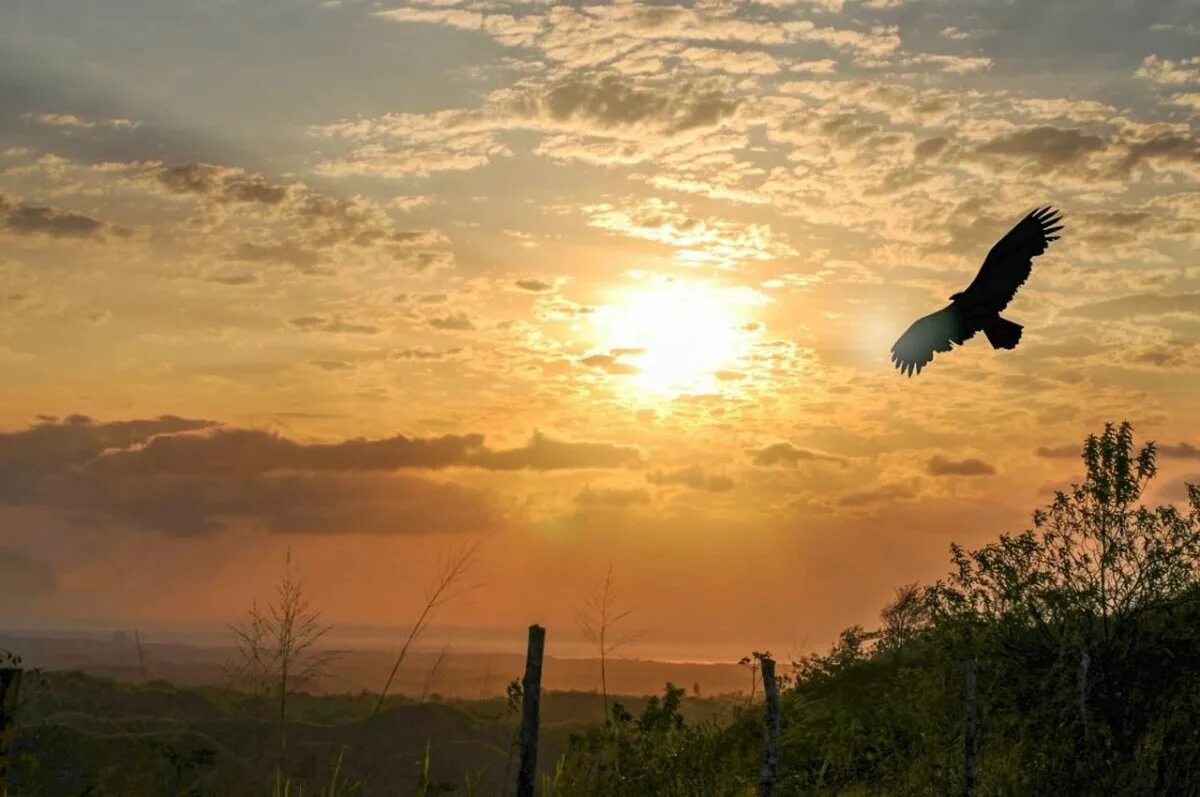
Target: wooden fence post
[
  {"x": 531, "y": 688},
  {"x": 1081, "y": 738},
  {"x": 10, "y": 686},
  {"x": 969, "y": 719},
  {"x": 771, "y": 723}
]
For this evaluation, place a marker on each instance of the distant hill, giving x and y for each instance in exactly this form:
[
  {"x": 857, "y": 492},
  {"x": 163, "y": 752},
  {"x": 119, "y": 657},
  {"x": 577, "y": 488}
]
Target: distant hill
[
  {"x": 462, "y": 675},
  {"x": 82, "y": 734}
]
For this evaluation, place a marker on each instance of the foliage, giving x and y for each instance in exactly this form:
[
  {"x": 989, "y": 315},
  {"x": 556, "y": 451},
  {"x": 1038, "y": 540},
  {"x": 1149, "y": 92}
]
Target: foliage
[
  {"x": 277, "y": 651},
  {"x": 656, "y": 753}
]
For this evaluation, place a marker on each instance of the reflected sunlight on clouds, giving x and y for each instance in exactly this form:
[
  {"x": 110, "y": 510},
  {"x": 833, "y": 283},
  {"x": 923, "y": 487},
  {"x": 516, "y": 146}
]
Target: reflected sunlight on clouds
[
  {"x": 678, "y": 334},
  {"x": 655, "y": 255}
]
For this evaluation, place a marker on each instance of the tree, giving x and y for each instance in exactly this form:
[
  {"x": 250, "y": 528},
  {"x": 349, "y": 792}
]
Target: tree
[
  {"x": 277, "y": 649},
  {"x": 1101, "y": 579},
  {"x": 907, "y": 614},
  {"x": 1092, "y": 556},
  {"x": 597, "y": 621}
]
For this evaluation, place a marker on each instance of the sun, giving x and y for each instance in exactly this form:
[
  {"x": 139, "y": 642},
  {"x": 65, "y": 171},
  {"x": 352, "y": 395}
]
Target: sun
[{"x": 674, "y": 336}]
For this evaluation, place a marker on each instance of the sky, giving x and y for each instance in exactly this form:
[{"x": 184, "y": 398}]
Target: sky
[{"x": 592, "y": 285}]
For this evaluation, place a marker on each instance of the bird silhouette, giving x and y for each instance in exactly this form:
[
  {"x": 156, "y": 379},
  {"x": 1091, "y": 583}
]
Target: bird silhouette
[{"x": 1005, "y": 269}]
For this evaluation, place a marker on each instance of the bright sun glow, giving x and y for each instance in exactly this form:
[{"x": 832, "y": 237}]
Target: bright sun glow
[{"x": 677, "y": 335}]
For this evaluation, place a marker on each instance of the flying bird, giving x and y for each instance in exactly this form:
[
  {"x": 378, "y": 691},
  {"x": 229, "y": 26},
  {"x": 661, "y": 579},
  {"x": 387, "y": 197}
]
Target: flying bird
[{"x": 1005, "y": 269}]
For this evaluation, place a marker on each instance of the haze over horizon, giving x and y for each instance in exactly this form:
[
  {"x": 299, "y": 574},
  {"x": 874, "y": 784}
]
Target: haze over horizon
[{"x": 593, "y": 284}]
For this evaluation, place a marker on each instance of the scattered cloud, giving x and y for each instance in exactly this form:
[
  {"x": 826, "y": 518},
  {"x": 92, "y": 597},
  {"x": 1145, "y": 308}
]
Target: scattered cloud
[
  {"x": 1138, "y": 305},
  {"x": 545, "y": 453},
  {"x": 1179, "y": 451},
  {"x": 941, "y": 466},
  {"x": 453, "y": 322},
  {"x": 26, "y": 219},
  {"x": 694, "y": 478},
  {"x": 73, "y": 122},
  {"x": 883, "y": 494},
  {"x": 611, "y": 497},
  {"x": 784, "y": 453},
  {"x": 610, "y": 364},
  {"x": 336, "y": 326},
  {"x": 534, "y": 285},
  {"x": 1071, "y": 451},
  {"x": 1165, "y": 71}
]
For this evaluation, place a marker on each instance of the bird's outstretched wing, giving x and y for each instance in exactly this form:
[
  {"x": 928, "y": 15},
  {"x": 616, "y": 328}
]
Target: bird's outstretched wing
[
  {"x": 938, "y": 331},
  {"x": 1009, "y": 262}
]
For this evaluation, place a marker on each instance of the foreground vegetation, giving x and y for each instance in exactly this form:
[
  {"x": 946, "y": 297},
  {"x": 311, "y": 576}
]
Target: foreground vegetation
[
  {"x": 1083, "y": 635},
  {"x": 81, "y": 734}
]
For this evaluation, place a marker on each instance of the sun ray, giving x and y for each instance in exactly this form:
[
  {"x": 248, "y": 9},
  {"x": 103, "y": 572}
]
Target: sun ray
[{"x": 677, "y": 334}]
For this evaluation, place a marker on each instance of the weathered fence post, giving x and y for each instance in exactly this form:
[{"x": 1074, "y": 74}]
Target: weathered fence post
[
  {"x": 1081, "y": 738},
  {"x": 10, "y": 686},
  {"x": 530, "y": 704},
  {"x": 969, "y": 718},
  {"x": 771, "y": 723}
]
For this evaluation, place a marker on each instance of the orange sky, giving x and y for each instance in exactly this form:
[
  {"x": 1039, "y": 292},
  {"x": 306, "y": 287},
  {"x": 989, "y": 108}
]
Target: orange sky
[{"x": 595, "y": 284}]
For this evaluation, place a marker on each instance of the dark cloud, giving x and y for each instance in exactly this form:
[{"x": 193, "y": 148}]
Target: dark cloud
[
  {"x": 1180, "y": 451},
  {"x": 315, "y": 323},
  {"x": 285, "y": 253},
  {"x": 337, "y": 325},
  {"x": 534, "y": 285},
  {"x": 233, "y": 279},
  {"x": 183, "y": 476},
  {"x": 307, "y": 322},
  {"x": 1144, "y": 304},
  {"x": 1164, "y": 147},
  {"x": 314, "y": 221},
  {"x": 421, "y": 353},
  {"x": 940, "y": 466},
  {"x": 610, "y": 100},
  {"x": 453, "y": 321},
  {"x": 53, "y": 446},
  {"x": 930, "y": 147},
  {"x": 220, "y": 183},
  {"x": 693, "y": 477},
  {"x": 1047, "y": 147},
  {"x": 785, "y": 453},
  {"x": 1173, "y": 354},
  {"x": 1069, "y": 451},
  {"x": 22, "y": 218},
  {"x": 545, "y": 453},
  {"x": 609, "y": 364},
  {"x": 230, "y": 450}
]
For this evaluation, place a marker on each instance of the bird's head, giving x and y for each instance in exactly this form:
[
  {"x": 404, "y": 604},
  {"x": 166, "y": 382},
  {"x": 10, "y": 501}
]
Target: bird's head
[{"x": 956, "y": 297}]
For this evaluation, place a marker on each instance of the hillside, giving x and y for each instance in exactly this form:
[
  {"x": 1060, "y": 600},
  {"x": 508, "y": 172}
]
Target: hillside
[{"x": 85, "y": 734}]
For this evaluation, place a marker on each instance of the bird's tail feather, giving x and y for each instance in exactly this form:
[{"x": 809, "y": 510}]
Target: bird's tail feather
[{"x": 1002, "y": 333}]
